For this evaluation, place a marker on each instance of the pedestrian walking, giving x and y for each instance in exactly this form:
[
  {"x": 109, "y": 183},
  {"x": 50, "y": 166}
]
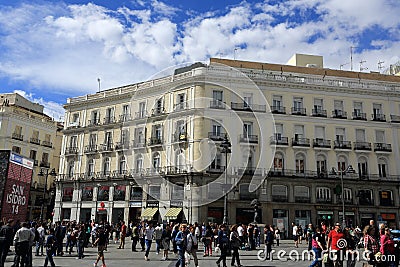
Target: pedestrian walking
[
  {"x": 100, "y": 242},
  {"x": 235, "y": 245},
  {"x": 318, "y": 245},
  {"x": 135, "y": 237},
  {"x": 223, "y": 244},
  {"x": 122, "y": 235},
  {"x": 165, "y": 241},
  {"x": 207, "y": 241},
  {"x": 40, "y": 243},
  {"x": 23, "y": 237},
  {"x": 269, "y": 240},
  {"x": 180, "y": 241},
  {"x": 192, "y": 245},
  {"x": 277, "y": 236},
  {"x": 81, "y": 241},
  {"x": 6, "y": 240},
  {"x": 51, "y": 247},
  {"x": 148, "y": 235},
  {"x": 157, "y": 236}
]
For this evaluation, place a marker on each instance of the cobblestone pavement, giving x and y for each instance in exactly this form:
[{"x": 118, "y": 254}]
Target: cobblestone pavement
[{"x": 125, "y": 257}]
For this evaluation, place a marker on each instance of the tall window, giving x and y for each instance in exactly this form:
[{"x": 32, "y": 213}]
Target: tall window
[
  {"x": 382, "y": 168},
  {"x": 247, "y": 129},
  {"x": 109, "y": 115},
  {"x": 91, "y": 167},
  {"x": 321, "y": 165},
  {"x": 217, "y": 95},
  {"x": 122, "y": 165},
  {"x": 95, "y": 119},
  {"x": 106, "y": 166},
  {"x": 216, "y": 163},
  {"x": 71, "y": 169},
  {"x": 73, "y": 142},
  {"x": 300, "y": 163},
  {"x": 297, "y": 103},
  {"x": 156, "y": 161},
  {"x": 323, "y": 193},
  {"x": 277, "y": 102},
  {"x": 247, "y": 99},
  {"x": 358, "y": 108},
  {"x": 278, "y": 162},
  {"x": 139, "y": 163},
  {"x": 360, "y": 135},
  {"x": 142, "y": 109},
  {"x": 362, "y": 167},
  {"x": 108, "y": 140},
  {"x": 92, "y": 140}
]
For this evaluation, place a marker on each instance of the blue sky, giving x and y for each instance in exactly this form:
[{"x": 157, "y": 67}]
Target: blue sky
[{"x": 52, "y": 50}]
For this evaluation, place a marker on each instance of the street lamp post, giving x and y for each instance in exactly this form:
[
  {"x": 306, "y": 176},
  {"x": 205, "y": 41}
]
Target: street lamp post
[
  {"x": 349, "y": 169},
  {"x": 46, "y": 175},
  {"x": 226, "y": 148}
]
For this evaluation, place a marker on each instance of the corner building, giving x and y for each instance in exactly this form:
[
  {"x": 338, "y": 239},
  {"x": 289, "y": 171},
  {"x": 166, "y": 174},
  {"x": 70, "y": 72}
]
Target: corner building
[{"x": 141, "y": 151}]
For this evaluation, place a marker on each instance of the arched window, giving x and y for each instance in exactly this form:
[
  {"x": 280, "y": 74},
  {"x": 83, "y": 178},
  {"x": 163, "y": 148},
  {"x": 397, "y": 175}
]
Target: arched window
[
  {"x": 321, "y": 165},
  {"x": 363, "y": 167},
  {"x": 90, "y": 170},
  {"x": 341, "y": 163},
  {"x": 122, "y": 165},
  {"x": 106, "y": 166},
  {"x": 382, "y": 167},
  {"x": 300, "y": 163},
  {"x": 278, "y": 162}
]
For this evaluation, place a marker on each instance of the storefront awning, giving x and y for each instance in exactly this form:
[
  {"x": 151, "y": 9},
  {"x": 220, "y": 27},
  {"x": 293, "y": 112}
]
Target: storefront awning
[
  {"x": 149, "y": 213},
  {"x": 173, "y": 213}
]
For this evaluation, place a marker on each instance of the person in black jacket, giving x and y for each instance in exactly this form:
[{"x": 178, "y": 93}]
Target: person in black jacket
[
  {"x": 51, "y": 247},
  {"x": 223, "y": 244},
  {"x": 6, "y": 239}
]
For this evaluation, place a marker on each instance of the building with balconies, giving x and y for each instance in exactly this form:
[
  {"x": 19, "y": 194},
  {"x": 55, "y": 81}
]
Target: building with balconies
[
  {"x": 321, "y": 123},
  {"x": 26, "y": 130}
]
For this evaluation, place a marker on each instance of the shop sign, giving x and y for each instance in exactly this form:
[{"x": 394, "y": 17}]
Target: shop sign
[
  {"x": 388, "y": 216},
  {"x": 177, "y": 204},
  {"x": 154, "y": 204},
  {"x": 135, "y": 204},
  {"x": 323, "y": 212}
]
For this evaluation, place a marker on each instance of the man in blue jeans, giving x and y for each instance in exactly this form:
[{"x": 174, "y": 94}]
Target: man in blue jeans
[
  {"x": 148, "y": 238},
  {"x": 180, "y": 240},
  {"x": 318, "y": 245}
]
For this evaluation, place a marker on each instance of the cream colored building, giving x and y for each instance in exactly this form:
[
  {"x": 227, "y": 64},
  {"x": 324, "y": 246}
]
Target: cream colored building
[
  {"x": 26, "y": 130},
  {"x": 292, "y": 129}
]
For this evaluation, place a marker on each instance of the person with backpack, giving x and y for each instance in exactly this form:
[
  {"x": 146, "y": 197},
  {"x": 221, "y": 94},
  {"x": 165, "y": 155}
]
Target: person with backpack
[
  {"x": 235, "y": 245},
  {"x": 192, "y": 244},
  {"x": 223, "y": 244},
  {"x": 180, "y": 241},
  {"x": 100, "y": 242},
  {"x": 318, "y": 245},
  {"x": 51, "y": 247}
]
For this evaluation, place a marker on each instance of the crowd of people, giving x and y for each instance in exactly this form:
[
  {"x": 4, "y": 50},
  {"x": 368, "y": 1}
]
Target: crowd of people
[{"x": 186, "y": 241}]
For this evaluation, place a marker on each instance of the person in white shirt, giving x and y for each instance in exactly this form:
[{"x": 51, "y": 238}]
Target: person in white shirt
[
  {"x": 240, "y": 231},
  {"x": 39, "y": 244},
  {"x": 294, "y": 233},
  {"x": 148, "y": 238}
]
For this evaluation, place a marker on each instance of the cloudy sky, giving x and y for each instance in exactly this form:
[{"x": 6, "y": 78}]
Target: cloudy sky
[{"x": 52, "y": 50}]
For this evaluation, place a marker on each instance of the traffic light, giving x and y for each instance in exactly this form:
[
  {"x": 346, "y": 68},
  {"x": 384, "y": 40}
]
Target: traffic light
[{"x": 329, "y": 217}]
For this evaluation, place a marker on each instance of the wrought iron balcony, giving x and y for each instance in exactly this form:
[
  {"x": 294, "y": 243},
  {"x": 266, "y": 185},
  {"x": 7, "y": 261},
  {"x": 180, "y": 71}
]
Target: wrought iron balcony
[
  {"x": 302, "y": 199},
  {"x": 278, "y": 110},
  {"x": 298, "y": 111},
  {"x": 158, "y": 112},
  {"x": 17, "y": 136},
  {"x": 181, "y": 106},
  {"x": 47, "y": 144},
  {"x": 35, "y": 141},
  {"x": 301, "y": 142},
  {"x": 319, "y": 113},
  {"x": 378, "y": 117},
  {"x": 71, "y": 150},
  {"x": 109, "y": 120},
  {"x": 245, "y": 138},
  {"x": 281, "y": 140},
  {"x": 153, "y": 141},
  {"x": 216, "y": 136},
  {"x": 382, "y": 147},
  {"x": 394, "y": 118},
  {"x": 318, "y": 142},
  {"x": 141, "y": 114},
  {"x": 277, "y": 198},
  {"x": 249, "y": 171},
  {"x": 125, "y": 117},
  {"x": 341, "y": 144},
  {"x": 94, "y": 122},
  {"x": 339, "y": 114},
  {"x": 359, "y": 116},
  {"x": 106, "y": 147},
  {"x": 44, "y": 164},
  {"x": 89, "y": 149},
  {"x": 121, "y": 146},
  {"x": 248, "y": 107},
  {"x": 362, "y": 146},
  {"x": 139, "y": 143},
  {"x": 216, "y": 104}
]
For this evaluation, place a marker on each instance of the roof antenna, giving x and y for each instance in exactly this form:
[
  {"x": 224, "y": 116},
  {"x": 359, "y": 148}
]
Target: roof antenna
[
  {"x": 380, "y": 65},
  {"x": 342, "y": 65},
  {"x": 98, "y": 80},
  {"x": 361, "y": 67},
  {"x": 351, "y": 57}
]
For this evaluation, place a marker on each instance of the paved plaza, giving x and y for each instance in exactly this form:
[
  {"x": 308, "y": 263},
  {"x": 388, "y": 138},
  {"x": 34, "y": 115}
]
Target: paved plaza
[{"x": 125, "y": 257}]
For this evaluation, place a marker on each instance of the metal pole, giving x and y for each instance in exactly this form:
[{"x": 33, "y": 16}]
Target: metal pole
[
  {"x": 225, "y": 220},
  {"x": 343, "y": 214},
  {"x": 43, "y": 195}
]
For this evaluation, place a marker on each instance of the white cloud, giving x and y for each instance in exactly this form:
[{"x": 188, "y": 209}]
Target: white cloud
[{"x": 67, "y": 47}]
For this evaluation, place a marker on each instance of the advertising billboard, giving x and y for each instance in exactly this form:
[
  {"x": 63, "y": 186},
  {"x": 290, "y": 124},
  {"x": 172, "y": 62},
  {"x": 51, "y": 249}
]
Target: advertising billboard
[{"x": 17, "y": 188}]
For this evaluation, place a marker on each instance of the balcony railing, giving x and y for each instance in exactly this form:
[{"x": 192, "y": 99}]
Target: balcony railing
[
  {"x": 341, "y": 144},
  {"x": 318, "y": 142},
  {"x": 382, "y": 147},
  {"x": 300, "y": 142},
  {"x": 153, "y": 141},
  {"x": 35, "y": 141},
  {"x": 281, "y": 140},
  {"x": 244, "y": 138},
  {"x": 278, "y": 110},
  {"x": 16, "y": 136},
  {"x": 362, "y": 146},
  {"x": 217, "y": 104},
  {"x": 121, "y": 146},
  {"x": 176, "y": 169},
  {"x": 346, "y": 200},
  {"x": 44, "y": 164},
  {"x": 181, "y": 106},
  {"x": 139, "y": 143},
  {"x": 216, "y": 136},
  {"x": 299, "y": 111},
  {"x": 109, "y": 120},
  {"x": 71, "y": 150},
  {"x": 47, "y": 144},
  {"x": 249, "y": 171},
  {"x": 141, "y": 114},
  {"x": 248, "y": 107},
  {"x": 125, "y": 117},
  {"x": 94, "y": 122},
  {"x": 106, "y": 147},
  {"x": 319, "y": 113},
  {"x": 324, "y": 200},
  {"x": 378, "y": 117},
  {"x": 89, "y": 149},
  {"x": 302, "y": 199},
  {"x": 215, "y": 169},
  {"x": 394, "y": 118},
  {"x": 339, "y": 114},
  {"x": 157, "y": 112},
  {"x": 359, "y": 116}
]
